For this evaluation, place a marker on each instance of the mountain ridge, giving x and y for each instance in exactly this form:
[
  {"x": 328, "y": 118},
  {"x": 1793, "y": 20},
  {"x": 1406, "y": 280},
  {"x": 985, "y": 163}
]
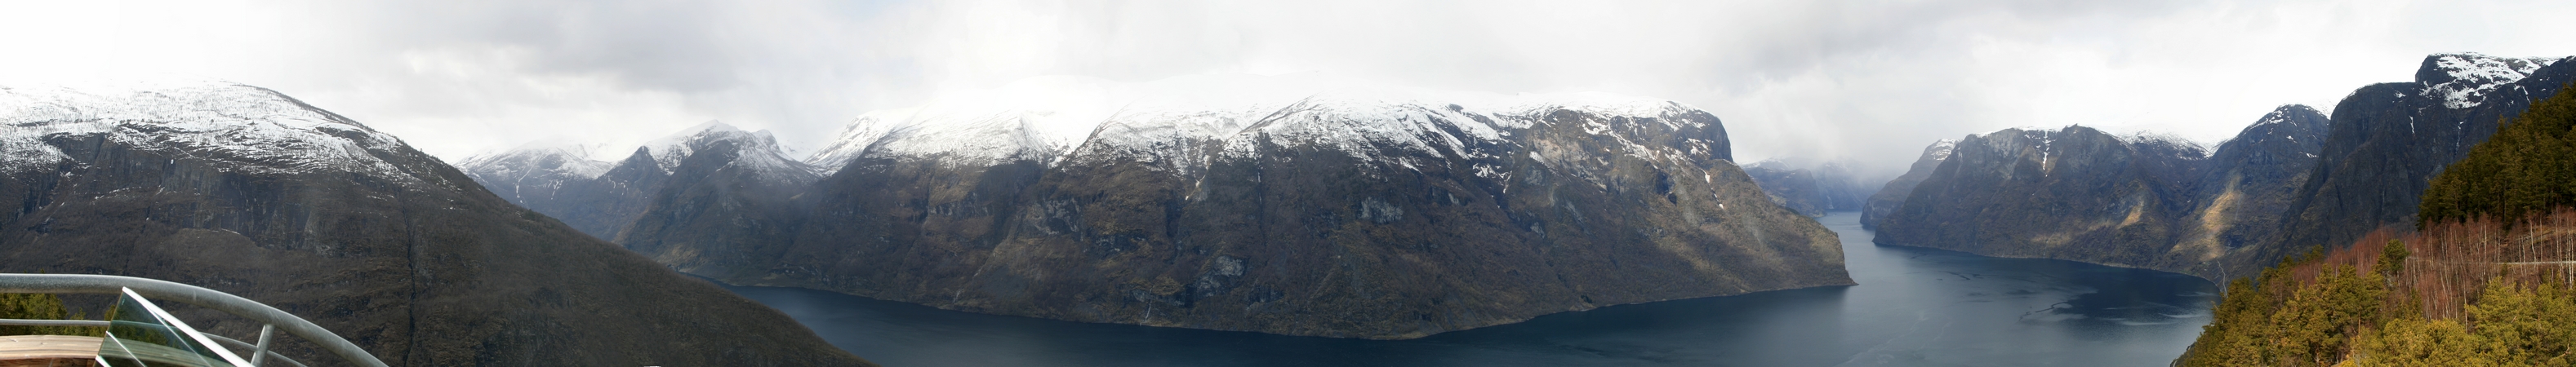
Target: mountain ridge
[{"x": 1397, "y": 213}]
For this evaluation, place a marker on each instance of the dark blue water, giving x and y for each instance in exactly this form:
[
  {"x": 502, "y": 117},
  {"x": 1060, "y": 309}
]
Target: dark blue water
[{"x": 1913, "y": 307}]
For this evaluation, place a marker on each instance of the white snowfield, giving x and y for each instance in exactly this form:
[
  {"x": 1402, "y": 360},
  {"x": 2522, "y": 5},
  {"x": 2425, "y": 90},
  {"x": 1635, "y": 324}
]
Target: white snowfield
[
  {"x": 238, "y": 127},
  {"x": 1048, "y": 120},
  {"x": 2474, "y": 75}
]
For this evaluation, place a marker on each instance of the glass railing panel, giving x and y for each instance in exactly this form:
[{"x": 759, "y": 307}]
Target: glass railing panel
[{"x": 141, "y": 334}]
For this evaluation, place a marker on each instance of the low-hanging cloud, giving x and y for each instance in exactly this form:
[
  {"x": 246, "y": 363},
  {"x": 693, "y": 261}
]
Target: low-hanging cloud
[{"x": 1867, "y": 80}]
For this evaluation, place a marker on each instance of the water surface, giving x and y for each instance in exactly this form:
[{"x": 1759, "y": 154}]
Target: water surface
[{"x": 1913, "y": 307}]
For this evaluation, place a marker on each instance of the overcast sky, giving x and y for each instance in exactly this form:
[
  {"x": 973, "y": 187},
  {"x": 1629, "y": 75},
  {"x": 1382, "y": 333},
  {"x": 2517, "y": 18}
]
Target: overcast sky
[{"x": 1868, "y": 80}]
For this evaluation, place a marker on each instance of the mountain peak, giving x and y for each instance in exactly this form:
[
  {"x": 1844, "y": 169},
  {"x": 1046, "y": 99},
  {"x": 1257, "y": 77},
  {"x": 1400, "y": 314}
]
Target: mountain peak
[
  {"x": 549, "y": 160},
  {"x": 235, "y": 125},
  {"x": 1940, "y": 149},
  {"x": 670, "y": 150},
  {"x": 2289, "y": 113}
]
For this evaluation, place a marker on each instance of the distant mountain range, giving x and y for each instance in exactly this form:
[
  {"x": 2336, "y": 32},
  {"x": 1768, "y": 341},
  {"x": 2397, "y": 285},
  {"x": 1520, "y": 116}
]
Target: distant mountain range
[
  {"x": 1365, "y": 213},
  {"x": 2295, "y": 179},
  {"x": 1814, "y": 191},
  {"x": 244, "y": 190}
]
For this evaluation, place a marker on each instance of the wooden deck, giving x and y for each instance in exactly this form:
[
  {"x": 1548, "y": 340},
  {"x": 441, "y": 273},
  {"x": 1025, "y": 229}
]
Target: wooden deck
[
  {"x": 66, "y": 350},
  {"x": 48, "y": 350}
]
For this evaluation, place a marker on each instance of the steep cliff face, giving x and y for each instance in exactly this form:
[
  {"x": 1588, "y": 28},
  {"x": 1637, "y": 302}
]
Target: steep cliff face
[
  {"x": 1892, "y": 195},
  {"x": 2390, "y": 139},
  {"x": 1812, "y": 191},
  {"x": 246, "y": 191},
  {"x": 1328, "y": 214}
]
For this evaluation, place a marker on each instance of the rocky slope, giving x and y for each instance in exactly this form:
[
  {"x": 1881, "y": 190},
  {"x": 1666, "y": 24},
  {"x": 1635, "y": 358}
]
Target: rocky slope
[
  {"x": 1812, "y": 191},
  {"x": 1365, "y": 214},
  {"x": 2138, "y": 201},
  {"x": 250, "y": 192},
  {"x": 1892, "y": 195}
]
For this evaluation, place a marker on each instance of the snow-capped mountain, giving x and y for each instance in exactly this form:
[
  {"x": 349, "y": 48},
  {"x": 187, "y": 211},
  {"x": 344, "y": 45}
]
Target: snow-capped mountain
[
  {"x": 535, "y": 171},
  {"x": 603, "y": 198},
  {"x": 247, "y": 191},
  {"x": 1250, "y": 203},
  {"x": 236, "y": 126}
]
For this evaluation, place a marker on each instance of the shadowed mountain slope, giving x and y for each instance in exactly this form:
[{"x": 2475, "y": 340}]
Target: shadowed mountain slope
[{"x": 247, "y": 191}]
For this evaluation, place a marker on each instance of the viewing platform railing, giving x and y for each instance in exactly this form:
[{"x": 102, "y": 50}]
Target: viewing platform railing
[{"x": 139, "y": 331}]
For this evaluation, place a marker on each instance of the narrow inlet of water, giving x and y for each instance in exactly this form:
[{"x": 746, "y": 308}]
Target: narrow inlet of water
[{"x": 1913, "y": 307}]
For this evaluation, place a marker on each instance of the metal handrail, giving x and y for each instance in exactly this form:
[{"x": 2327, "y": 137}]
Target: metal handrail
[{"x": 194, "y": 295}]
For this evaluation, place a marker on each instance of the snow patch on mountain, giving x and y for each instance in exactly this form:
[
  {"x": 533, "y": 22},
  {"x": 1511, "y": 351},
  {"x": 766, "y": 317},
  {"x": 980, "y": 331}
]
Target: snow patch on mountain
[
  {"x": 1183, "y": 117},
  {"x": 2282, "y": 114},
  {"x": 2468, "y": 77},
  {"x": 1940, "y": 149},
  {"x": 539, "y": 168},
  {"x": 553, "y": 156},
  {"x": 757, "y": 151},
  {"x": 238, "y": 126},
  {"x": 2173, "y": 142},
  {"x": 669, "y": 150}
]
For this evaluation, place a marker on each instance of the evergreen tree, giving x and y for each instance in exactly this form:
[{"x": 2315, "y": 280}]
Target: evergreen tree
[{"x": 37, "y": 307}]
